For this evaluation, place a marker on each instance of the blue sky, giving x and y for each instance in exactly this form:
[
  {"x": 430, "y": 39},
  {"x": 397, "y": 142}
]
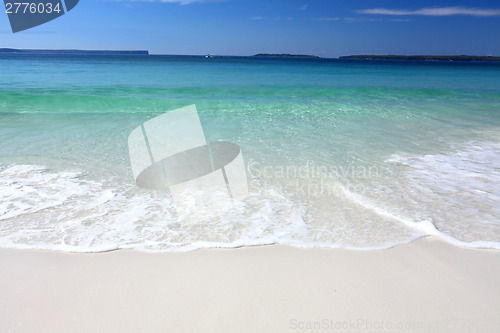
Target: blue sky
[{"x": 328, "y": 28}]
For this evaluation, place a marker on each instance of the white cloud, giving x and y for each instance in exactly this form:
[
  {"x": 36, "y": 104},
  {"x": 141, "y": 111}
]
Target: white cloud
[
  {"x": 327, "y": 18},
  {"x": 435, "y": 11},
  {"x": 261, "y": 18},
  {"x": 347, "y": 19},
  {"x": 399, "y": 20},
  {"x": 304, "y": 7}
]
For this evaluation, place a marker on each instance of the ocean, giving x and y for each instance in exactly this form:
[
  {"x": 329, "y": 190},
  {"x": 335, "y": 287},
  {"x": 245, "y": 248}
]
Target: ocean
[{"x": 337, "y": 153}]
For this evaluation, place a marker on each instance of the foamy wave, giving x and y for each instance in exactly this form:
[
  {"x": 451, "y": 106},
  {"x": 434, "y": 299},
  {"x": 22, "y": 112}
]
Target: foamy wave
[
  {"x": 458, "y": 193},
  {"x": 421, "y": 228},
  {"x": 25, "y": 189},
  {"x": 62, "y": 211},
  {"x": 452, "y": 196}
]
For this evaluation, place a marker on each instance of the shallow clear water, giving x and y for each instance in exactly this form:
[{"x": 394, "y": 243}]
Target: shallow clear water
[{"x": 353, "y": 154}]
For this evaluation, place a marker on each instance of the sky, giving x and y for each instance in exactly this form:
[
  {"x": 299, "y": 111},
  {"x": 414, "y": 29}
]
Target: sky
[{"x": 327, "y": 28}]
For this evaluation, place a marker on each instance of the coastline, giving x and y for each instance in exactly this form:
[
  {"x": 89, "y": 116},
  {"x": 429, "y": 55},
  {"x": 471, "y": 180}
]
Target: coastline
[
  {"x": 470, "y": 58},
  {"x": 425, "y": 286}
]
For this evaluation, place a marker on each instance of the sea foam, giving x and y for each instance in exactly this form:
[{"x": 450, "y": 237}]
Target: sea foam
[
  {"x": 458, "y": 192},
  {"x": 43, "y": 209},
  {"x": 453, "y": 196}
]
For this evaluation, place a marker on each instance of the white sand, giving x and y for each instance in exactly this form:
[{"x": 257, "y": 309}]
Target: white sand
[{"x": 426, "y": 286}]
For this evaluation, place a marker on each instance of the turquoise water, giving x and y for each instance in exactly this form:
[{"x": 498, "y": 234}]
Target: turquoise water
[{"x": 353, "y": 154}]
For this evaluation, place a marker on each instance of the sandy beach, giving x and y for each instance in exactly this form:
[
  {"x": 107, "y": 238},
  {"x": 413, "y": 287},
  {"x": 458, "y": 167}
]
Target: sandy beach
[{"x": 426, "y": 286}]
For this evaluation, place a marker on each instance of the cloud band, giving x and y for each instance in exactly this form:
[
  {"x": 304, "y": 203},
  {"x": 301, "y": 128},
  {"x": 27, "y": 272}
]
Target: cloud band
[{"x": 435, "y": 11}]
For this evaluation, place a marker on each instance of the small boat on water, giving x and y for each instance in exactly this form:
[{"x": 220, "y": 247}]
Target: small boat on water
[{"x": 208, "y": 56}]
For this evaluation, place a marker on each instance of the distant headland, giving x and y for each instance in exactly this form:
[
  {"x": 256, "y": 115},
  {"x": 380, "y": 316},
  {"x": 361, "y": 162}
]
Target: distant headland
[
  {"x": 285, "y": 55},
  {"x": 75, "y": 52},
  {"x": 423, "y": 57}
]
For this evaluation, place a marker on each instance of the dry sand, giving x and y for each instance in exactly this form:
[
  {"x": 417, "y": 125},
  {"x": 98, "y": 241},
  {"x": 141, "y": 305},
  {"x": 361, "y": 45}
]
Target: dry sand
[{"x": 426, "y": 286}]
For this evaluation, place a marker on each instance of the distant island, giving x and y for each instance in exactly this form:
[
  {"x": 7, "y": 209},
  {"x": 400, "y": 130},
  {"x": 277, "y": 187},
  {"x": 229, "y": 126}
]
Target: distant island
[
  {"x": 423, "y": 57},
  {"x": 284, "y": 55},
  {"x": 76, "y": 52}
]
